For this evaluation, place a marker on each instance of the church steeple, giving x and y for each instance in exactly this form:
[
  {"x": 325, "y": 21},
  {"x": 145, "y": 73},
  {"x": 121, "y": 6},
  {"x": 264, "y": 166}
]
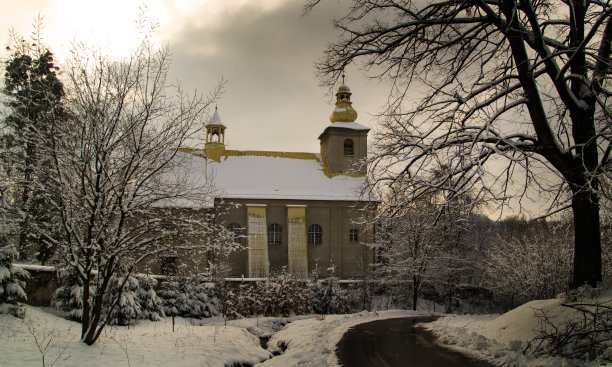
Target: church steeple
[
  {"x": 215, "y": 137},
  {"x": 344, "y": 143},
  {"x": 344, "y": 111}
]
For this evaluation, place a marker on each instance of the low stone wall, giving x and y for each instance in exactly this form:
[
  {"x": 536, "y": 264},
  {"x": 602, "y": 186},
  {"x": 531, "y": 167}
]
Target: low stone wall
[{"x": 41, "y": 284}]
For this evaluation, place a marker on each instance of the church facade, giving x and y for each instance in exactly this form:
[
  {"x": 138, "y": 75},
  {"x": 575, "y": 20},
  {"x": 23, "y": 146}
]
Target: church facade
[{"x": 294, "y": 210}]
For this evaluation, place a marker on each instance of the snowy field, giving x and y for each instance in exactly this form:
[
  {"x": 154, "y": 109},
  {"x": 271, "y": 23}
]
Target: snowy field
[{"x": 310, "y": 341}]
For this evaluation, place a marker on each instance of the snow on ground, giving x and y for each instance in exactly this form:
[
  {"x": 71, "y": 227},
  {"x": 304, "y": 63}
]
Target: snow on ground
[
  {"x": 146, "y": 344},
  {"x": 501, "y": 338},
  {"x": 310, "y": 341}
]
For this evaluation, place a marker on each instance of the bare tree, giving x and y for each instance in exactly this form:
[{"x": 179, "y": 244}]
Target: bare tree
[
  {"x": 514, "y": 100},
  {"x": 407, "y": 244},
  {"x": 529, "y": 260},
  {"x": 118, "y": 169},
  {"x": 421, "y": 242}
]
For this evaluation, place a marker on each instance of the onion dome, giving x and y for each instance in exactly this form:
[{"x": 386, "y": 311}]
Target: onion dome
[{"x": 344, "y": 112}]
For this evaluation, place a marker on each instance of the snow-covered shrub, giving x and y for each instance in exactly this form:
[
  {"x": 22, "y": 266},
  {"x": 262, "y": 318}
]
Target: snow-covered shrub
[
  {"x": 151, "y": 306},
  {"x": 189, "y": 297},
  {"x": 68, "y": 297},
  {"x": 127, "y": 309},
  {"x": 11, "y": 283},
  {"x": 283, "y": 296},
  {"x": 278, "y": 296},
  {"x": 241, "y": 302},
  {"x": 330, "y": 298}
]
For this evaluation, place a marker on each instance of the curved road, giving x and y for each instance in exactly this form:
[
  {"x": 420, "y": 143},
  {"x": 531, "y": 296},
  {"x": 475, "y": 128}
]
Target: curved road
[{"x": 397, "y": 342}]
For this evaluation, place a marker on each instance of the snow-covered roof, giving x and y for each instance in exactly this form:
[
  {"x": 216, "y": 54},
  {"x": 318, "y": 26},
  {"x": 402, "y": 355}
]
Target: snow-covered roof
[
  {"x": 216, "y": 120},
  {"x": 270, "y": 175},
  {"x": 347, "y": 125}
]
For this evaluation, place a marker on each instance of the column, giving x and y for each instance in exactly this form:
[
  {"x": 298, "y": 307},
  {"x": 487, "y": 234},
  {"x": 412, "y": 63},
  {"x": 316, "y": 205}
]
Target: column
[
  {"x": 258, "y": 241},
  {"x": 297, "y": 246}
]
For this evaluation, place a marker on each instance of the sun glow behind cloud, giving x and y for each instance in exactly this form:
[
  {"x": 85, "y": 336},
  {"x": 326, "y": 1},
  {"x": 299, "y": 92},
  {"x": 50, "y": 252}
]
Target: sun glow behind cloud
[{"x": 111, "y": 24}]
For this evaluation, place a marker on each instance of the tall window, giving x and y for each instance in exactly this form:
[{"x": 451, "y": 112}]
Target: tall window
[
  {"x": 353, "y": 235},
  {"x": 348, "y": 147},
  {"x": 315, "y": 234},
  {"x": 275, "y": 234},
  {"x": 236, "y": 229}
]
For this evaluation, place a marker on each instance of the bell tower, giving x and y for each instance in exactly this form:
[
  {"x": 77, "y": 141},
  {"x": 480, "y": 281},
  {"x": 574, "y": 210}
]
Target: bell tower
[
  {"x": 215, "y": 138},
  {"x": 344, "y": 143}
]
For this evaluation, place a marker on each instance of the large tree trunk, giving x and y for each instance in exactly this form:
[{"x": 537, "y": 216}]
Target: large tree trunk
[{"x": 587, "y": 242}]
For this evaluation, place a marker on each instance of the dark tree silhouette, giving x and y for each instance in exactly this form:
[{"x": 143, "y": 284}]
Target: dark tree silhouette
[{"x": 514, "y": 100}]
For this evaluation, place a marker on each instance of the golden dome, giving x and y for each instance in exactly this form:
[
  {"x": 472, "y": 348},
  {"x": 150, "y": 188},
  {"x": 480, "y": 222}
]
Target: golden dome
[{"x": 344, "y": 111}]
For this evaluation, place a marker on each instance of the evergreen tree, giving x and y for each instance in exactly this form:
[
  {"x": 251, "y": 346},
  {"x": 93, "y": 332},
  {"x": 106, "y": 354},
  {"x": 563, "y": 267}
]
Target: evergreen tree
[
  {"x": 151, "y": 306},
  {"x": 189, "y": 297},
  {"x": 123, "y": 292},
  {"x": 33, "y": 97},
  {"x": 329, "y": 297},
  {"x": 68, "y": 297},
  {"x": 11, "y": 283}
]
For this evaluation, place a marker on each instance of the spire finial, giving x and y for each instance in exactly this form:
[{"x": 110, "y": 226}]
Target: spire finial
[{"x": 343, "y": 77}]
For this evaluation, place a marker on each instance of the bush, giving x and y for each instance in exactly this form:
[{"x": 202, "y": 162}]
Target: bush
[
  {"x": 330, "y": 298},
  {"x": 68, "y": 297},
  {"x": 151, "y": 306},
  {"x": 11, "y": 283},
  {"x": 279, "y": 296},
  {"x": 189, "y": 297},
  {"x": 127, "y": 308},
  {"x": 138, "y": 299}
]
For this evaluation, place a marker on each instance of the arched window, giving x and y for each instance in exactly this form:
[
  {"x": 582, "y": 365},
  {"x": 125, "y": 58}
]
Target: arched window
[
  {"x": 275, "y": 234},
  {"x": 236, "y": 229},
  {"x": 349, "y": 147},
  {"x": 315, "y": 234}
]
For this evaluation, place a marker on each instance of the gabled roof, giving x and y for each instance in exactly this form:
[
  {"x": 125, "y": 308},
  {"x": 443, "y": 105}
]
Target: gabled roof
[{"x": 271, "y": 175}]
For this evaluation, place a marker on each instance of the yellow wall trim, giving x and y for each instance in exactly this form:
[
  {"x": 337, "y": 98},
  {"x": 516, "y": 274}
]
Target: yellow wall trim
[{"x": 264, "y": 153}]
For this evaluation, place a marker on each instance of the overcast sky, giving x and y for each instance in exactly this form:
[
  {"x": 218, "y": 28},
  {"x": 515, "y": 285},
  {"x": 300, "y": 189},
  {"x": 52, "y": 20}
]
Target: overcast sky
[{"x": 264, "y": 49}]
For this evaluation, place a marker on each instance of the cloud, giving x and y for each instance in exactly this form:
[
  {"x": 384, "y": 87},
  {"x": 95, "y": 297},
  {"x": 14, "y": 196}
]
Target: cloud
[
  {"x": 267, "y": 55},
  {"x": 265, "y": 49}
]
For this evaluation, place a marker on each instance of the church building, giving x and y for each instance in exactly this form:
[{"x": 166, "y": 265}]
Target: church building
[{"x": 295, "y": 210}]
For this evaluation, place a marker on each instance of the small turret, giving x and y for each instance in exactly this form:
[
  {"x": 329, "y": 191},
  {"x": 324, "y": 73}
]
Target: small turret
[{"x": 215, "y": 138}]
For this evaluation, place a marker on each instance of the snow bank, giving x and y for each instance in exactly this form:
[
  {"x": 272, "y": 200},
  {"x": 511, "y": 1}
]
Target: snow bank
[
  {"x": 146, "y": 344},
  {"x": 501, "y": 338}
]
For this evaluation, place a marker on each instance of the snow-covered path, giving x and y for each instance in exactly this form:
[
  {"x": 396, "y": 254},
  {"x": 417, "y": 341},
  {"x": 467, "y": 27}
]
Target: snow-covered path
[{"x": 312, "y": 342}]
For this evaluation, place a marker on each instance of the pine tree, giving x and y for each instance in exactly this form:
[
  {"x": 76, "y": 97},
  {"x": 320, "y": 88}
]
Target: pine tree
[
  {"x": 122, "y": 305},
  {"x": 68, "y": 297},
  {"x": 330, "y": 298},
  {"x": 33, "y": 97},
  {"x": 11, "y": 283},
  {"x": 190, "y": 297},
  {"x": 151, "y": 306}
]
